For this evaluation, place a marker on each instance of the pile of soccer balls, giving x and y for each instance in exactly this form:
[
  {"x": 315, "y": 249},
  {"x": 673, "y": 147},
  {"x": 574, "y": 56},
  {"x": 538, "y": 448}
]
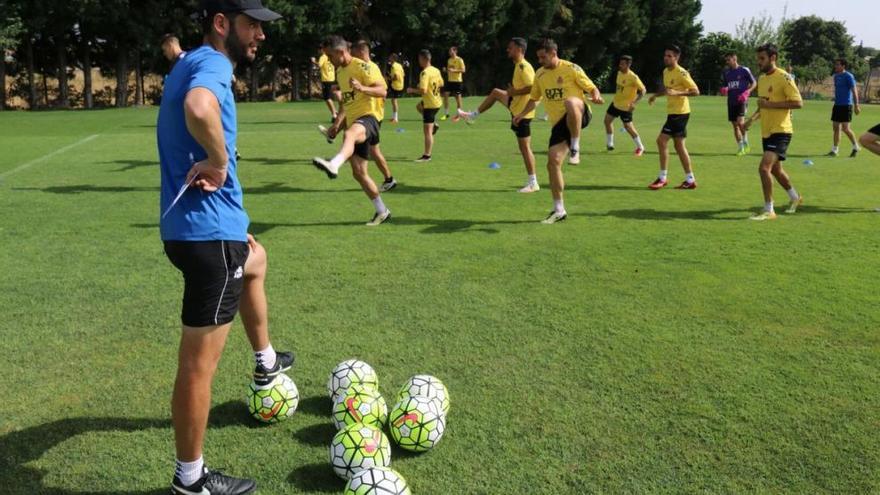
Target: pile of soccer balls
[
  {"x": 275, "y": 402},
  {"x": 360, "y": 451}
]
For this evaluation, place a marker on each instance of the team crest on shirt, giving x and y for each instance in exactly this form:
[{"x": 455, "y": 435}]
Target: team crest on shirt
[{"x": 559, "y": 80}]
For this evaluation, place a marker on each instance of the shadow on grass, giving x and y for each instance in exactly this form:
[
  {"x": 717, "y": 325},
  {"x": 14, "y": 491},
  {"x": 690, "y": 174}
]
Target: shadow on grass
[
  {"x": 316, "y": 478},
  {"x": 721, "y": 214},
  {"x": 315, "y": 406},
  {"x": 319, "y": 435},
  {"x": 132, "y": 164},
  {"x": 432, "y": 226},
  {"x": 20, "y": 448}
]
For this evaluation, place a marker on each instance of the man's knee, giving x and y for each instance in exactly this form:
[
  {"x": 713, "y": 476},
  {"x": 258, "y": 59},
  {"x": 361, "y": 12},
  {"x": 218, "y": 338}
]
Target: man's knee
[{"x": 574, "y": 105}]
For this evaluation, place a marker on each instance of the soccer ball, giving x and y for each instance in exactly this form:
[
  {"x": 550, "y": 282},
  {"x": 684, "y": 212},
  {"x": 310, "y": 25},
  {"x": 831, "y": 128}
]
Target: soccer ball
[
  {"x": 359, "y": 404},
  {"x": 417, "y": 423},
  {"x": 358, "y": 447},
  {"x": 275, "y": 402},
  {"x": 426, "y": 386},
  {"x": 377, "y": 481},
  {"x": 349, "y": 373}
]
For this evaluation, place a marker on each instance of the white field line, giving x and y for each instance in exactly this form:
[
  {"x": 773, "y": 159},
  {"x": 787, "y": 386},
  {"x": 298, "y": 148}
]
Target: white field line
[{"x": 44, "y": 158}]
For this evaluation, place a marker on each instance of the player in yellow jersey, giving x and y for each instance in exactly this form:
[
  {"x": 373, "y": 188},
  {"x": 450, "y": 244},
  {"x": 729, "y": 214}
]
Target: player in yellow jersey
[
  {"x": 361, "y": 85},
  {"x": 677, "y": 87},
  {"x": 562, "y": 86},
  {"x": 778, "y": 95},
  {"x": 630, "y": 91},
  {"x": 455, "y": 69},
  {"x": 328, "y": 79},
  {"x": 396, "y": 79},
  {"x": 515, "y": 98},
  {"x": 430, "y": 82}
]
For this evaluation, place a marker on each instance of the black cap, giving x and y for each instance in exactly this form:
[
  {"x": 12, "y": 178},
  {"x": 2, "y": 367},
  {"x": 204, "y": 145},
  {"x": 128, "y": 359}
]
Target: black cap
[{"x": 250, "y": 8}]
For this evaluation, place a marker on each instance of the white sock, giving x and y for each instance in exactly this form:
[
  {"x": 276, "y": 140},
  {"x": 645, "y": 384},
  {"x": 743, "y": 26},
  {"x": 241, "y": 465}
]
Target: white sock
[
  {"x": 379, "y": 205},
  {"x": 337, "y": 161},
  {"x": 638, "y": 141},
  {"x": 856, "y": 147},
  {"x": 746, "y": 139},
  {"x": 266, "y": 357},
  {"x": 835, "y": 149},
  {"x": 690, "y": 177},
  {"x": 793, "y": 194},
  {"x": 189, "y": 472},
  {"x": 533, "y": 179},
  {"x": 558, "y": 206},
  {"x": 742, "y": 145},
  {"x": 609, "y": 140},
  {"x": 575, "y": 144},
  {"x": 768, "y": 207},
  {"x": 395, "y": 116},
  {"x": 663, "y": 174}
]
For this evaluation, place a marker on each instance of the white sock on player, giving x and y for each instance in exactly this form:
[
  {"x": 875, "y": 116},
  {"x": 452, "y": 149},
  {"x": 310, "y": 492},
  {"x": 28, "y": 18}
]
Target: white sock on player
[
  {"x": 690, "y": 177},
  {"x": 835, "y": 149},
  {"x": 266, "y": 357},
  {"x": 337, "y": 161},
  {"x": 663, "y": 174},
  {"x": 533, "y": 179},
  {"x": 395, "y": 116},
  {"x": 575, "y": 144},
  {"x": 638, "y": 141},
  {"x": 558, "y": 206},
  {"x": 189, "y": 472},
  {"x": 379, "y": 205},
  {"x": 768, "y": 207},
  {"x": 793, "y": 194},
  {"x": 609, "y": 140}
]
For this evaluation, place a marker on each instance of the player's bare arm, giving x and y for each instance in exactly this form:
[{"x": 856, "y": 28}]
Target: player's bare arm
[{"x": 202, "y": 111}]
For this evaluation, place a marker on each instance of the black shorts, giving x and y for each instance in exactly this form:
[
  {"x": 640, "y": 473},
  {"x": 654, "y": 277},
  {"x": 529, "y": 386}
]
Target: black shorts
[
  {"x": 676, "y": 125},
  {"x": 213, "y": 279},
  {"x": 429, "y": 115},
  {"x": 875, "y": 130},
  {"x": 736, "y": 111},
  {"x": 453, "y": 88},
  {"x": 523, "y": 130},
  {"x": 625, "y": 117},
  {"x": 395, "y": 94},
  {"x": 371, "y": 125},
  {"x": 327, "y": 90},
  {"x": 560, "y": 132},
  {"x": 778, "y": 143},
  {"x": 842, "y": 113}
]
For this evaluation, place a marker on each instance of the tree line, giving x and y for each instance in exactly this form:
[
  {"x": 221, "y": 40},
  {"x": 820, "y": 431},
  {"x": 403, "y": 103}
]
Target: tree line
[{"x": 51, "y": 39}]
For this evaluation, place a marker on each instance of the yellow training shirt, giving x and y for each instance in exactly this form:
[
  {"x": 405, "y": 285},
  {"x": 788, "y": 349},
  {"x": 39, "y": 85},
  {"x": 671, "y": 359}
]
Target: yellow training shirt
[
  {"x": 458, "y": 64},
  {"x": 523, "y": 77},
  {"x": 397, "y": 77},
  {"x": 328, "y": 72},
  {"x": 680, "y": 80},
  {"x": 777, "y": 87},
  {"x": 628, "y": 87},
  {"x": 555, "y": 86},
  {"x": 355, "y": 103},
  {"x": 430, "y": 82}
]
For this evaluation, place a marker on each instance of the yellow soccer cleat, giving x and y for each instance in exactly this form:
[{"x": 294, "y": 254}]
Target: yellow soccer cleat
[
  {"x": 793, "y": 206},
  {"x": 763, "y": 216}
]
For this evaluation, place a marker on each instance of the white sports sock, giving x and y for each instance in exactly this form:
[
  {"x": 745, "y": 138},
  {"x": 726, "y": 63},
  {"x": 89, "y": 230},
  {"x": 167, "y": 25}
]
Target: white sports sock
[
  {"x": 266, "y": 357},
  {"x": 395, "y": 116},
  {"x": 189, "y": 472},
  {"x": 337, "y": 161},
  {"x": 793, "y": 194},
  {"x": 609, "y": 139},
  {"x": 533, "y": 179},
  {"x": 835, "y": 149},
  {"x": 663, "y": 174},
  {"x": 690, "y": 177},
  {"x": 575, "y": 144},
  {"x": 379, "y": 205},
  {"x": 856, "y": 147},
  {"x": 746, "y": 139},
  {"x": 638, "y": 141},
  {"x": 558, "y": 206},
  {"x": 768, "y": 207}
]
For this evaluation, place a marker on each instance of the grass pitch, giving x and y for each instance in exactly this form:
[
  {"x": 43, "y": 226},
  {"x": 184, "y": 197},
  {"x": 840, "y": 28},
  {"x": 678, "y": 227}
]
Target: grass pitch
[{"x": 655, "y": 342}]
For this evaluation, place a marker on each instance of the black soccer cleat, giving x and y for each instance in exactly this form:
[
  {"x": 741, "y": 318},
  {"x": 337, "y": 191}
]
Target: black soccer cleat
[
  {"x": 324, "y": 166},
  {"x": 264, "y": 376},
  {"x": 854, "y": 153},
  {"x": 435, "y": 130},
  {"x": 214, "y": 483}
]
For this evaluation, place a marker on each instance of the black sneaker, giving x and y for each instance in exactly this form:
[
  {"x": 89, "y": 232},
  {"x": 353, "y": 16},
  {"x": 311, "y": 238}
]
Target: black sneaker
[
  {"x": 214, "y": 483},
  {"x": 854, "y": 153},
  {"x": 609, "y": 148},
  {"x": 435, "y": 130},
  {"x": 283, "y": 362},
  {"x": 423, "y": 159}
]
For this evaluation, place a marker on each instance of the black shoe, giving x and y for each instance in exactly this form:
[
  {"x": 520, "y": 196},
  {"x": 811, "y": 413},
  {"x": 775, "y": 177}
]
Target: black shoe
[
  {"x": 609, "y": 148},
  {"x": 423, "y": 159},
  {"x": 283, "y": 362},
  {"x": 237, "y": 155},
  {"x": 214, "y": 483},
  {"x": 854, "y": 153},
  {"x": 435, "y": 130}
]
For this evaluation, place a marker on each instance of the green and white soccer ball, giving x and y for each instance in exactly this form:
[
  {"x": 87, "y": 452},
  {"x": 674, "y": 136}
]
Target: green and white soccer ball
[
  {"x": 377, "y": 481},
  {"x": 358, "y": 447},
  {"x": 349, "y": 373},
  {"x": 275, "y": 402},
  {"x": 417, "y": 423},
  {"x": 426, "y": 386},
  {"x": 359, "y": 404}
]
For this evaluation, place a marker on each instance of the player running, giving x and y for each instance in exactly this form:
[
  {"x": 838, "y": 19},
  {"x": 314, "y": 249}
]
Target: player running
[
  {"x": 563, "y": 86},
  {"x": 396, "y": 79},
  {"x": 740, "y": 83},
  {"x": 328, "y": 80},
  {"x": 455, "y": 70},
  {"x": 204, "y": 230},
  {"x": 515, "y": 98},
  {"x": 363, "y": 91},
  {"x": 778, "y": 95},
  {"x": 846, "y": 100},
  {"x": 677, "y": 87},
  {"x": 430, "y": 82},
  {"x": 630, "y": 90}
]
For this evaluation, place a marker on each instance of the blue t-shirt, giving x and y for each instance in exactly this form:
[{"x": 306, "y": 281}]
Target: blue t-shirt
[
  {"x": 844, "y": 83},
  {"x": 198, "y": 216},
  {"x": 738, "y": 81}
]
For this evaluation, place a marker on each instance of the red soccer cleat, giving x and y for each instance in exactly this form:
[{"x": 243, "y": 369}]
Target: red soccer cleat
[
  {"x": 639, "y": 152},
  {"x": 658, "y": 184},
  {"x": 688, "y": 185}
]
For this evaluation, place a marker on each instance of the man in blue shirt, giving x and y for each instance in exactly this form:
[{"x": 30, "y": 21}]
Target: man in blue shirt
[
  {"x": 846, "y": 100},
  {"x": 204, "y": 229},
  {"x": 740, "y": 83}
]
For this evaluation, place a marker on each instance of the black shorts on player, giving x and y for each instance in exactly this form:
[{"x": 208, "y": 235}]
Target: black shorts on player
[
  {"x": 523, "y": 129},
  {"x": 394, "y": 94},
  {"x": 453, "y": 88},
  {"x": 676, "y": 125},
  {"x": 371, "y": 127},
  {"x": 561, "y": 134},
  {"x": 736, "y": 111},
  {"x": 327, "y": 90},
  {"x": 429, "y": 115},
  {"x": 842, "y": 113},
  {"x": 778, "y": 143},
  {"x": 213, "y": 279},
  {"x": 625, "y": 117}
]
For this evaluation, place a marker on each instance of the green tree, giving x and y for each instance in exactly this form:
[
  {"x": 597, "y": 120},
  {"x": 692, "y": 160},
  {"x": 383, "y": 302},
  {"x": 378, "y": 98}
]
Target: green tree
[
  {"x": 10, "y": 30},
  {"x": 709, "y": 64},
  {"x": 669, "y": 22}
]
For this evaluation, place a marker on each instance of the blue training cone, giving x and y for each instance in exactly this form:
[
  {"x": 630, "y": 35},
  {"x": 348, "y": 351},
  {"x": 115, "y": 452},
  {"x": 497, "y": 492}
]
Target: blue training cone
[{"x": 494, "y": 165}]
